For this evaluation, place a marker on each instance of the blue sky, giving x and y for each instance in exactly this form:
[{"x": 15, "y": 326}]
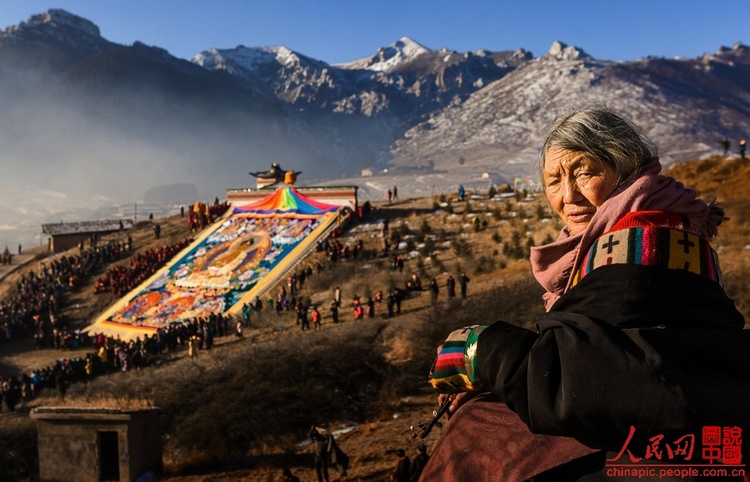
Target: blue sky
[{"x": 343, "y": 30}]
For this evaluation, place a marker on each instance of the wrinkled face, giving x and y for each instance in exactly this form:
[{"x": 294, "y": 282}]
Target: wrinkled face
[{"x": 576, "y": 185}]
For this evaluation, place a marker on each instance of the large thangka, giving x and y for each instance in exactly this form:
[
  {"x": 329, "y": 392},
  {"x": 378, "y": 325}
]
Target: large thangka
[{"x": 229, "y": 265}]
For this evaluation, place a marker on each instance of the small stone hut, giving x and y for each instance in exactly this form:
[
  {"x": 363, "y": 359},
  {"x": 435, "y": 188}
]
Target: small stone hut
[
  {"x": 64, "y": 236},
  {"x": 95, "y": 444}
]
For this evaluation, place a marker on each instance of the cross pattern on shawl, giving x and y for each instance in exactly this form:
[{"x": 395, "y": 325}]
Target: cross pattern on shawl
[
  {"x": 609, "y": 245},
  {"x": 652, "y": 246},
  {"x": 682, "y": 256},
  {"x": 686, "y": 244}
]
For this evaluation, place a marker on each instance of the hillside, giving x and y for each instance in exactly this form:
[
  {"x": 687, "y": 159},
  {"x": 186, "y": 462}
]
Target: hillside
[
  {"x": 726, "y": 180},
  {"x": 241, "y": 410}
]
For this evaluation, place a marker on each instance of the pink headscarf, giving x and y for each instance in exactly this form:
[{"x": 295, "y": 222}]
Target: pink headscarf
[{"x": 554, "y": 263}]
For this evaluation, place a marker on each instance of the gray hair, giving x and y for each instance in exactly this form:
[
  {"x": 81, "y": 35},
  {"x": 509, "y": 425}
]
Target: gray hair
[{"x": 605, "y": 136}]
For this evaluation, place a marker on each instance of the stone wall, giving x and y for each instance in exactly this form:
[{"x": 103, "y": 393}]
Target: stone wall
[{"x": 97, "y": 444}]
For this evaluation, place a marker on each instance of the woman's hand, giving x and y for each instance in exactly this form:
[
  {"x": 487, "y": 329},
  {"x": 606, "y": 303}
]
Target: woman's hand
[{"x": 458, "y": 399}]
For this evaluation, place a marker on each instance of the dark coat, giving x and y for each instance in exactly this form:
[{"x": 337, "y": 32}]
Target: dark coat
[{"x": 660, "y": 350}]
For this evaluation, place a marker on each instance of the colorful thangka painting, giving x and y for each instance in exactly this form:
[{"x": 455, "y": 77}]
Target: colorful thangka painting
[{"x": 226, "y": 266}]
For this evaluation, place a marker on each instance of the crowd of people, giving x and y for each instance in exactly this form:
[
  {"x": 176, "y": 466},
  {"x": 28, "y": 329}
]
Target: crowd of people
[
  {"x": 121, "y": 279},
  {"x": 338, "y": 251},
  {"x": 110, "y": 354},
  {"x": 35, "y": 307},
  {"x": 35, "y": 303},
  {"x": 203, "y": 214}
]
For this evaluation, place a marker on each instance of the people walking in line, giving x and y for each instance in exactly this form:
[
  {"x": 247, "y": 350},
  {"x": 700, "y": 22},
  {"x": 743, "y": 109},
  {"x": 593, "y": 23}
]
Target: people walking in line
[
  {"x": 193, "y": 347},
  {"x": 334, "y": 312},
  {"x": 434, "y": 290},
  {"x": 337, "y": 296},
  {"x": 302, "y": 318},
  {"x": 315, "y": 315},
  {"x": 725, "y": 144},
  {"x": 359, "y": 311},
  {"x": 402, "y": 473},
  {"x": 450, "y": 285},
  {"x": 418, "y": 463},
  {"x": 463, "y": 281}
]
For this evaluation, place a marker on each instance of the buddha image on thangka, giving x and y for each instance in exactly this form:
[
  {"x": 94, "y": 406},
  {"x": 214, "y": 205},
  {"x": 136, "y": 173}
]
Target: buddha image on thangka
[{"x": 215, "y": 274}]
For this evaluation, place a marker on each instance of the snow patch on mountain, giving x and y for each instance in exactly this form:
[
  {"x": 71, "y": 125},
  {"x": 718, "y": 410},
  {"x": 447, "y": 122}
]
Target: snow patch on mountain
[
  {"x": 235, "y": 60},
  {"x": 246, "y": 59},
  {"x": 387, "y": 59}
]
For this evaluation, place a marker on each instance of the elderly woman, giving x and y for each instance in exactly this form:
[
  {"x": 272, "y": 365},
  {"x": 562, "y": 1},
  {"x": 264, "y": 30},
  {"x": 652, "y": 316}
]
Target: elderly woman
[{"x": 640, "y": 347}]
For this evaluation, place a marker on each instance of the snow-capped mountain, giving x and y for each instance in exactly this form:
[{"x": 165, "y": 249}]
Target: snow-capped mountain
[
  {"x": 87, "y": 115},
  {"x": 405, "y": 79},
  {"x": 388, "y": 59},
  {"x": 485, "y": 110},
  {"x": 686, "y": 105},
  {"x": 294, "y": 78}
]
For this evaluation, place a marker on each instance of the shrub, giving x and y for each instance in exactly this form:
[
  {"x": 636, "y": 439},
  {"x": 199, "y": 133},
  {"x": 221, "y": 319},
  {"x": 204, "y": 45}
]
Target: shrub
[
  {"x": 421, "y": 268},
  {"x": 399, "y": 232},
  {"x": 461, "y": 248},
  {"x": 514, "y": 249},
  {"x": 541, "y": 212},
  {"x": 485, "y": 264},
  {"x": 429, "y": 247},
  {"x": 529, "y": 245},
  {"x": 438, "y": 264}
]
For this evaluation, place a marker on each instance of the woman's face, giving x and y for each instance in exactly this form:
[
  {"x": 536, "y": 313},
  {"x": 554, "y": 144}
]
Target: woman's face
[{"x": 576, "y": 185}]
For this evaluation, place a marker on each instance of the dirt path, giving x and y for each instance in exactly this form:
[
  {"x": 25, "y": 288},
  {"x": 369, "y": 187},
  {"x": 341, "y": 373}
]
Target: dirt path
[{"x": 18, "y": 261}]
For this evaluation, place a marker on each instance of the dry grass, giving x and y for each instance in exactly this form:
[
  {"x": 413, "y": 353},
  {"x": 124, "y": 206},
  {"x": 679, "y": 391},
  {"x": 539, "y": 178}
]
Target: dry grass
[
  {"x": 107, "y": 402},
  {"x": 241, "y": 410}
]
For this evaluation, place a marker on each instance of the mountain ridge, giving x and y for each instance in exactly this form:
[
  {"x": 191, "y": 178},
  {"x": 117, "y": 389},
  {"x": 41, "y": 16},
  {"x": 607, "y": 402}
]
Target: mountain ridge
[{"x": 93, "y": 117}]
